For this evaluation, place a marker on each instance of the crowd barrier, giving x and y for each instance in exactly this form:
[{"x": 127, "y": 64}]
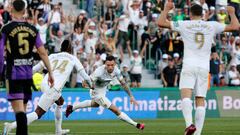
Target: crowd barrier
[{"x": 153, "y": 103}]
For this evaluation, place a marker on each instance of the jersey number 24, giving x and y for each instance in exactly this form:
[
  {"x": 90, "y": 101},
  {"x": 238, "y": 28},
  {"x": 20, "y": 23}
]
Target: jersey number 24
[{"x": 61, "y": 66}]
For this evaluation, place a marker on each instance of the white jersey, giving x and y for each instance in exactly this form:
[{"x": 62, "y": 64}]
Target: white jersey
[
  {"x": 124, "y": 23},
  {"x": 136, "y": 65},
  {"x": 62, "y": 65},
  {"x": 102, "y": 78},
  {"x": 197, "y": 36},
  {"x": 43, "y": 32}
]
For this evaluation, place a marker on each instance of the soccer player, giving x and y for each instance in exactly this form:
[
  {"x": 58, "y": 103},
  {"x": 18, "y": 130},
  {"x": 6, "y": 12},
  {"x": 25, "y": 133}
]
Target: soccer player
[
  {"x": 62, "y": 66},
  {"x": 101, "y": 77},
  {"x": 19, "y": 38},
  {"x": 197, "y": 36}
]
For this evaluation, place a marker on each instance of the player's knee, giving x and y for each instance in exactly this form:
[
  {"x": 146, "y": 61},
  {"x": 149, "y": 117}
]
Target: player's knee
[
  {"x": 40, "y": 112},
  {"x": 115, "y": 110},
  {"x": 133, "y": 84},
  {"x": 94, "y": 104},
  {"x": 60, "y": 101},
  {"x": 200, "y": 101},
  {"x": 186, "y": 93}
]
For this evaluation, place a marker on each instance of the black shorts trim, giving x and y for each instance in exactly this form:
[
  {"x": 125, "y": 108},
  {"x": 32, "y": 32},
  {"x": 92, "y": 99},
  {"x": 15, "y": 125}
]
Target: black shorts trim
[{"x": 19, "y": 89}]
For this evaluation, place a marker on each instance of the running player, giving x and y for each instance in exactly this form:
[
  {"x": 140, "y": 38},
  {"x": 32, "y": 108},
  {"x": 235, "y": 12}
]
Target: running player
[
  {"x": 197, "y": 36},
  {"x": 101, "y": 77},
  {"x": 62, "y": 65},
  {"x": 19, "y": 38}
]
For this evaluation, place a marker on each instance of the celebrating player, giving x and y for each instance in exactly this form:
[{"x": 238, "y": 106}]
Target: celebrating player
[
  {"x": 62, "y": 65},
  {"x": 197, "y": 36},
  {"x": 20, "y": 38},
  {"x": 101, "y": 77}
]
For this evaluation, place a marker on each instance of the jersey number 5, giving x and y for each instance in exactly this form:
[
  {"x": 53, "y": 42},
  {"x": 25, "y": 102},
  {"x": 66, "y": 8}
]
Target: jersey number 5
[
  {"x": 23, "y": 43},
  {"x": 199, "y": 38},
  {"x": 61, "y": 67}
]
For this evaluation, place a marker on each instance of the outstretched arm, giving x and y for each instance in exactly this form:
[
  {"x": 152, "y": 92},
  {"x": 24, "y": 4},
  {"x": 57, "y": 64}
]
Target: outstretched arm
[
  {"x": 128, "y": 91},
  {"x": 234, "y": 24},
  {"x": 163, "y": 22},
  {"x": 87, "y": 78},
  {"x": 39, "y": 67}
]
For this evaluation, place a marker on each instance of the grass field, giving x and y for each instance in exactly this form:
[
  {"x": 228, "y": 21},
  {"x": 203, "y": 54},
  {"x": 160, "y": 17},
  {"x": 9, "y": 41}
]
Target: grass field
[{"x": 223, "y": 126}]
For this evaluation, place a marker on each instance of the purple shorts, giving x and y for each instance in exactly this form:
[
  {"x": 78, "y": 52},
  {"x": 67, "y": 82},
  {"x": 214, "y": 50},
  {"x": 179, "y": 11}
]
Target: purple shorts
[{"x": 19, "y": 89}]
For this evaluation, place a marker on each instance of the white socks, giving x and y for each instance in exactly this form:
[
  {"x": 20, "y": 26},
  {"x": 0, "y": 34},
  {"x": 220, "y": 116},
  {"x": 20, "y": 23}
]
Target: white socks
[
  {"x": 58, "y": 118},
  {"x": 199, "y": 115},
  {"x": 199, "y": 119},
  {"x": 83, "y": 104},
  {"x": 30, "y": 118},
  {"x": 187, "y": 111},
  {"x": 125, "y": 118}
]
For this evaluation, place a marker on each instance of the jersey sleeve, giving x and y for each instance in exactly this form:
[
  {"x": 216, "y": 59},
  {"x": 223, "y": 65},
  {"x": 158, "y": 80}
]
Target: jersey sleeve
[
  {"x": 219, "y": 27},
  {"x": 2, "y": 42},
  {"x": 38, "y": 42},
  {"x": 38, "y": 67},
  {"x": 177, "y": 25},
  {"x": 78, "y": 65},
  {"x": 118, "y": 74},
  {"x": 95, "y": 75}
]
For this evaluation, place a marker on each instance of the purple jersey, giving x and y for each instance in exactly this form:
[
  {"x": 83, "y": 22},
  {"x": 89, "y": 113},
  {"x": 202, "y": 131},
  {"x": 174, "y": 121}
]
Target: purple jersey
[{"x": 19, "y": 39}]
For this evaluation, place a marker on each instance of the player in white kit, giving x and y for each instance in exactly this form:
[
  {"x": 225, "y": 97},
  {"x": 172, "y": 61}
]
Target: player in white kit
[
  {"x": 62, "y": 65},
  {"x": 101, "y": 77},
  {"x": 197, "y": 36}
]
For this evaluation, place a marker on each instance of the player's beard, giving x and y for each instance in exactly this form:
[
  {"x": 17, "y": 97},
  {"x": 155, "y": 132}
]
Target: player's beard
[{"x": 110, "y": 71}]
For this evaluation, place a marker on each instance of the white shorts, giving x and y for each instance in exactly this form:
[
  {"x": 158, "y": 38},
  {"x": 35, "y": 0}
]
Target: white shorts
[
  {"x": 100, "y": 99},
  {"x": 196, "y": 79},
  {"x": 48, "y": 98}
]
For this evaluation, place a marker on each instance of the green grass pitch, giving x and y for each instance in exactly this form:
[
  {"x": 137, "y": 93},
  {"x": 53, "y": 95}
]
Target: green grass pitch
[{"x": 216, "y": 126}]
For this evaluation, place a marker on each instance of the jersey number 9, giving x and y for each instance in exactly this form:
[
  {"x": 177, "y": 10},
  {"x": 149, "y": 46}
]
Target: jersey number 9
[{"x": 199, "y": 38}]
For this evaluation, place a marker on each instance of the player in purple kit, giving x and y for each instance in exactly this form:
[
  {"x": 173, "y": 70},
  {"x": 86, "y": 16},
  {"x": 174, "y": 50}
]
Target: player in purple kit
[{"x": 19, "y": 38}]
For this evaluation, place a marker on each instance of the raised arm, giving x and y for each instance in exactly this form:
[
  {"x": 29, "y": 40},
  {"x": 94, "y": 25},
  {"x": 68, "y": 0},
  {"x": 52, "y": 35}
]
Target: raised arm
[
  {"x": 116, "y": 35},
  {"x": 35, "y": 17},
  {"x": 129, "y": 50},
  {"x": 234, "y": 24},
  {"x": 163, "y": 22},
  {"x": 50, "y": 17},
  {"x": 85, "y": 30}
]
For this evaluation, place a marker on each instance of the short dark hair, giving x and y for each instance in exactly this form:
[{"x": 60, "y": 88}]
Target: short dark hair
[
  {"x": 196, "y": 10},
  {"x": 110, "y": 58},
  {"x": 66, "y": 46},
  {"x": 145, "y": 28},
  {"x": 18, "y": 5}
]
